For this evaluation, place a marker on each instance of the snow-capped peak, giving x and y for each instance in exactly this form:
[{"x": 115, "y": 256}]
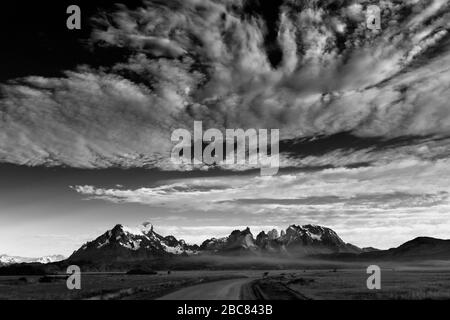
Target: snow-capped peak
[
  {"x": 51, "y": 259},
  {"x": 6, "y": 259},
  {"x": 144, "y": 229},
  {"x": 142, "y": 240}
]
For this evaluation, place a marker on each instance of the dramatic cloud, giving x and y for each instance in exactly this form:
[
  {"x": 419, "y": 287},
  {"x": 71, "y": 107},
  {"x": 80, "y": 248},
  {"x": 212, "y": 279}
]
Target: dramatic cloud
[
  {"x": 212, "y": 61},
  {"x": 364, "y": 116}
]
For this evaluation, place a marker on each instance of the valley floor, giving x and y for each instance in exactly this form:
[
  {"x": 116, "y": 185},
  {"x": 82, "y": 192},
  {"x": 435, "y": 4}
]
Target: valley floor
[{"x": 397, "y": 283}]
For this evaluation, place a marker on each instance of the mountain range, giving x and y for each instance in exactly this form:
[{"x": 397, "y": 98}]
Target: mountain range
[
  {"x": 143, "y": 243},
  {"x": 130, "y": 246},
  {"x": 125, "y": 244},
  {"x": 7, "y": 260}
]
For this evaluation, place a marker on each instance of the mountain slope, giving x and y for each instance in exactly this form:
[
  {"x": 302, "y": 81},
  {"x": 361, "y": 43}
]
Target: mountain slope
[
  {"x": 422, "y": 248},
  {"x": 310, "y": 239},
  {"x": 238, "y": 243},
  {"x": 294, "y": 241},
  {"x": 125, "y": 244}
]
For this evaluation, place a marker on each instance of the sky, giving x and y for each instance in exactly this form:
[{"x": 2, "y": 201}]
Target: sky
[{"x": 86, "y": 119}]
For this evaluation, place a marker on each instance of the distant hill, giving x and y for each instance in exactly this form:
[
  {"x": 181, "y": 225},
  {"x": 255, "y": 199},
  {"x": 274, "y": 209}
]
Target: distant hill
[
  {"x": 419, "y": 249},
  {"x": 422, "y": 248}
]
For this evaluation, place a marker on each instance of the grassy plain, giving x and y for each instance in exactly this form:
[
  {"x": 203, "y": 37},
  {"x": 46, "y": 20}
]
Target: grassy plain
[{"x": 425, "y": 281}]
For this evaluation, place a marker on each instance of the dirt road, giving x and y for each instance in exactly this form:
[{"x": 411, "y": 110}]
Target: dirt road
[{"x": 218, "y": 290}]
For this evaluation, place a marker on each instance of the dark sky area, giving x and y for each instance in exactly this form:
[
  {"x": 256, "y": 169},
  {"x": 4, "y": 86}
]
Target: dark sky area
[{"x": 39, "y": 42}]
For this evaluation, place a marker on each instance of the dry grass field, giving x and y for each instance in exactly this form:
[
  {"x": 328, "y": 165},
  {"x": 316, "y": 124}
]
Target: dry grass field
[
  {"x": 351, "y": 285},
  {"x": 397, "y": 283},
  {"x": 106, "y": 286}
]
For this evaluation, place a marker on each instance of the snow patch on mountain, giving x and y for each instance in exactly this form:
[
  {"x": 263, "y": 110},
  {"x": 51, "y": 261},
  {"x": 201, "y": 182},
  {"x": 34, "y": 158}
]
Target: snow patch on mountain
[
  {"x": 7, "y": 260},
  {"x": 140, "y": 243}
]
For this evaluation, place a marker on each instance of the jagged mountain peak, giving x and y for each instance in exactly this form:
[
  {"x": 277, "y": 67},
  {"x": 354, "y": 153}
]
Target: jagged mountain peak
[
  {"x": 314, "y": 232},
  {"x": 296, "y": 240},
  {"x": 313, "y": 236},
  {"x": 241, "y": 240},
  {"x": 122, "y": 242},
  {"x": 237, "y": 233},
  {"x": 144, "y": 229}
]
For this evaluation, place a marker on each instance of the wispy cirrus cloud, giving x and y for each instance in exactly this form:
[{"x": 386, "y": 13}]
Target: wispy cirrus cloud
[{"x": 381, "y": 184}]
